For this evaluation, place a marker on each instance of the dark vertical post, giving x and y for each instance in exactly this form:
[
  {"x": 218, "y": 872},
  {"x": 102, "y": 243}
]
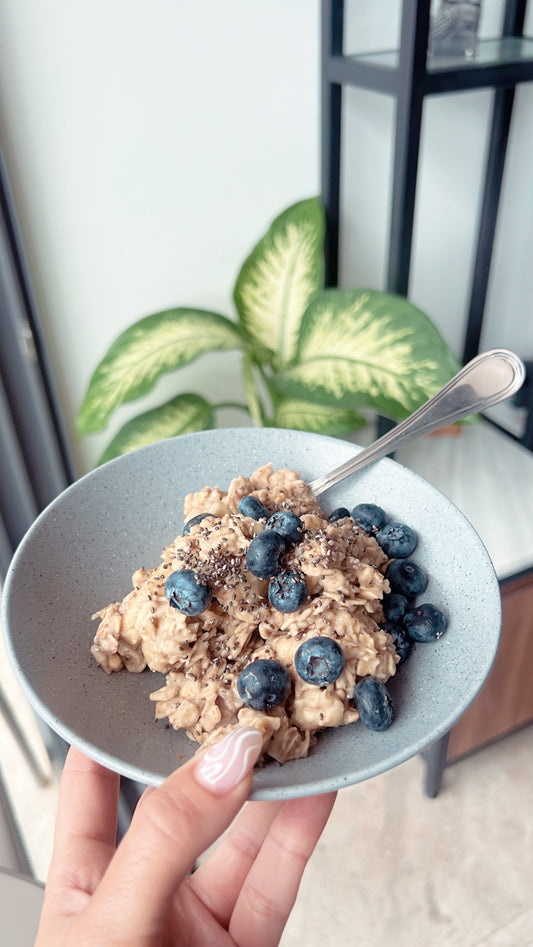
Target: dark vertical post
[
  {"x": 513, "y": 18},
  {"x": 436, "y": 762},
  {"x": 500, "y": 123},
  {"x": 411, "y": 82},
  {"x": 408, "y": 125},
  {"x": 331, "y": 105},
  {"x": 502, "y": 109}
]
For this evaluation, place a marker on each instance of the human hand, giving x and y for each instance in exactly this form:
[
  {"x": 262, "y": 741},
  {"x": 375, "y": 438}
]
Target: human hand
[{"x": 142, "y": 893}]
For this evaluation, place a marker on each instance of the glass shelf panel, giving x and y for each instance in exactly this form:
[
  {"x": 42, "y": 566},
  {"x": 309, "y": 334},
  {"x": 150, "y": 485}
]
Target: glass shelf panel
[{"x": 489, "y": 52}]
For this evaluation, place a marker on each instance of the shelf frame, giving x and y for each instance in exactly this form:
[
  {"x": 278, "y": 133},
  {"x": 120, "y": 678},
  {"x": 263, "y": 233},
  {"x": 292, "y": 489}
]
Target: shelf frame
[{"x": 411, "y": 78}]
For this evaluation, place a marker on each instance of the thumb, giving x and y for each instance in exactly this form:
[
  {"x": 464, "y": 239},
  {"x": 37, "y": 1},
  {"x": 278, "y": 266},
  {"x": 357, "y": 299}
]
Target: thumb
[{"x": 171, "y": 827}]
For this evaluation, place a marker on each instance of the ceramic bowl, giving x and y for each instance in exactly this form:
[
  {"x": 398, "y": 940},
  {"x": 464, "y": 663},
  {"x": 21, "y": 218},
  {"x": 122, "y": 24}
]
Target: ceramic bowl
[{"x": 82, "y": 550}]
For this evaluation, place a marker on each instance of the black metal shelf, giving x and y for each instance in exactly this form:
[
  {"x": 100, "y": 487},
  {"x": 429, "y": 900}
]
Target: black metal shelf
[
  {"x": 410, "y": 75},
  {"x": 498, "y": 63}
]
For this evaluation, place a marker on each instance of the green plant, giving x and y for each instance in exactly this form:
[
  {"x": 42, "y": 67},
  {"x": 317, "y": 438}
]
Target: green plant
[{"x": 312, "y": 359}]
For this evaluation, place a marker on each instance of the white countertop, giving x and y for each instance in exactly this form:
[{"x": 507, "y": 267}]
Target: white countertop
[{"x": 489, "y": 476}]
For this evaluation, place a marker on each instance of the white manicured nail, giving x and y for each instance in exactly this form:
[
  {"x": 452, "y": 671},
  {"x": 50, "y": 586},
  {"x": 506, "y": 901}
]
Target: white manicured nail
[{"x": 224, "y": 764}]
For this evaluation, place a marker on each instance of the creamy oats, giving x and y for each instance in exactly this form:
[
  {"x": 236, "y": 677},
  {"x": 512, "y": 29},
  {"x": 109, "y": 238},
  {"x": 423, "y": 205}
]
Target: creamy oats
[{"x": 202, "y": 655}]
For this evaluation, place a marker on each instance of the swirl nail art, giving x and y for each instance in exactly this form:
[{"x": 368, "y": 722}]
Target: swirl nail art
[{"x": 224, "y": 764}]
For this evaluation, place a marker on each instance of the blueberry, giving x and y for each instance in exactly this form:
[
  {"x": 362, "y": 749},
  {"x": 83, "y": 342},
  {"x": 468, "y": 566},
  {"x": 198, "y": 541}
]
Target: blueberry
[
  {"x": 187, "y": 591},
  {"x": 406, "y": 577},
  {"x": 400, "y": 640},
  {"x": 263, "y": 684},
  {"x": 394, "y": 606},
  {"x": 196, "y": 519},
  {"x": 287, "y": 591},
  {"x": 250, "y": 506},
  {"x": 319, "y": 660},
  {"x": 397, "y": 540},
  {"x": 369, "y": 517},
  {"x": 287, "y": 524},
  {"x": 264, "y": 556},
  {"x": 425, "y": 622},
  {"x": 374, "y": 703},
  {"x": 338, "y": 514}
]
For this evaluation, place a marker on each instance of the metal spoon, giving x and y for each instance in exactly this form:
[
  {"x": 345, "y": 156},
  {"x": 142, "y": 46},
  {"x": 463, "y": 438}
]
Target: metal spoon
[{"x": 489, "y": 378}]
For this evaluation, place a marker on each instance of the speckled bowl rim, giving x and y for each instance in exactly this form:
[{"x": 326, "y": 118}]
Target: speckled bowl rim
[{"x": 72, "y": 562}]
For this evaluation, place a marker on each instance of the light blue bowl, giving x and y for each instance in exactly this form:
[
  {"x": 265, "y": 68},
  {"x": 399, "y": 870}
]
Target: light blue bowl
[{"x": 82, "y": 550}]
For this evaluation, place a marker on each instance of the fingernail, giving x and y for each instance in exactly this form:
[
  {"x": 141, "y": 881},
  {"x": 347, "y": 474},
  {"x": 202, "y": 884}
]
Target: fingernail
[{"x": 224, "y": 764}]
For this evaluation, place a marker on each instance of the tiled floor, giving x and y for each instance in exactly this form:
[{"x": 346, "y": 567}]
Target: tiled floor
[
  {"x": 393, "y": 866},
  {"x": 455, "y": 871}
]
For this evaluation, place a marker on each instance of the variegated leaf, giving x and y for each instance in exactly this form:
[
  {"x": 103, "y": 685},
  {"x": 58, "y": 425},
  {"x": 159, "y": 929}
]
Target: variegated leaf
[
  {"x": 301, "y": 415},
  {"x": 156, "y": 344},
  {"x": 279, "y": 278},
  {"x": 181, "y": 415},
  {"x": 365, "y": 348}
]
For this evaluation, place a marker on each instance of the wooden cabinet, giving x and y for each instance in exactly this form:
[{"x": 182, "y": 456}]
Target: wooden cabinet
[{"x": 505, "y": 702}]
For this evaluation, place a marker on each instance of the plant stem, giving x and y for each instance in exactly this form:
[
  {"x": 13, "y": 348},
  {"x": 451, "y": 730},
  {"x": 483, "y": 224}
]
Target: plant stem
[{"x": 254, "y": 403}]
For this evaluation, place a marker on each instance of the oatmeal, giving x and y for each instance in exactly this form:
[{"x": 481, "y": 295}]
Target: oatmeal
[{"x": 328, "y": 582}]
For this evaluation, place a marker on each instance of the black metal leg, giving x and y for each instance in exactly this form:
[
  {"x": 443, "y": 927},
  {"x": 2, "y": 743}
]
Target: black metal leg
[{"x": 435, "y": 758}]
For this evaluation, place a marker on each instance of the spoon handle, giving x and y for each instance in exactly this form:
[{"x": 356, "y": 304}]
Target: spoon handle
[{"x": 489, "y": 378}]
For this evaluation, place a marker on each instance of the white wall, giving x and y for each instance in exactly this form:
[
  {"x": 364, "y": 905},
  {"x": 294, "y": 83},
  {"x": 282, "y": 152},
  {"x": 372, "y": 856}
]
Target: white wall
[{"x": 149, "y": 143}]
